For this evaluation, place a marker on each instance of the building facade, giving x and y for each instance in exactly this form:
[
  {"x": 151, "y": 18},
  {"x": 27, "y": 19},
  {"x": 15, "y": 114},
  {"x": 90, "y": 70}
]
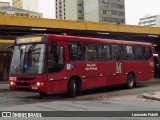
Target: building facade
[
  {"x": 13, "y": 11},
  {"x": 41, "y": 6},
  {"x": 31, "y": 5},
  {"x": 4, "y": 4},
  {"x": 69, "y": 10},
  {"x": 60, "y": 9},
  {"x": 91, "y": 10},
  {"x": 150, "y": 20}
]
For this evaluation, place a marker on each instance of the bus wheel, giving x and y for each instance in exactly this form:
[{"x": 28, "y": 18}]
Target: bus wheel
[
  {"x": 130, "y": 81},
  {"x": 72, "y": 88},
  {"x": 42, "y": 94}
]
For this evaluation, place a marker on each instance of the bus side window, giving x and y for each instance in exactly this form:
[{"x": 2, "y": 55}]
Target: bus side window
[
  {"x": 117, "y": 52},
  {"x": 147, "y": 53},
  {"x": 128, "y": 52},
  {"x": 55, "y": 58},
  {"x": 90, "y": 52},
  {"x": 138, "y": 53},
  {"x": 51, "y": 56},
  {"x": 75, "y": 51},
  {"x": 104, "y": 52}
]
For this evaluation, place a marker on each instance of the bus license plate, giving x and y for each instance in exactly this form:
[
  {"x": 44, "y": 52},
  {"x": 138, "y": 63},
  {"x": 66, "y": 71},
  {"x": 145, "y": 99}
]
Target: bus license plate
[{"x": 34, "y": 87}]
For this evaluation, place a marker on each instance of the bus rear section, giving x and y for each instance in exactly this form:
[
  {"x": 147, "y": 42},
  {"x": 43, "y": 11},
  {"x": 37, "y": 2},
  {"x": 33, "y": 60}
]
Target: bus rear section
[{"x": 59, "y": 63}]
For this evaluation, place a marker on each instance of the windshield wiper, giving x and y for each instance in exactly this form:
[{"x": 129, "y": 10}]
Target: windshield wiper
[{"x": 31, "y": 48}]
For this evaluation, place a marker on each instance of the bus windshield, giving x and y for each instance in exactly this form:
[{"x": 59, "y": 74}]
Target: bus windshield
[{"x": 28, "y": 59}]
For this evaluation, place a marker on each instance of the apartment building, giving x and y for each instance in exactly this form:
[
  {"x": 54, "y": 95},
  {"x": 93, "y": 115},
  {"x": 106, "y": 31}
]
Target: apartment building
[
  {"x": 91, "y": 10},
  {"x": 150, "y": 20},
  {"x": 31, "y": 5},
  {"x": 26, "y": 5},
  {"x": 4, "y": 4}
]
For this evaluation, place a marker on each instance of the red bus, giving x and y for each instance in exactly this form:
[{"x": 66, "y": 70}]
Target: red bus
[{"x": 61, "y": 63}]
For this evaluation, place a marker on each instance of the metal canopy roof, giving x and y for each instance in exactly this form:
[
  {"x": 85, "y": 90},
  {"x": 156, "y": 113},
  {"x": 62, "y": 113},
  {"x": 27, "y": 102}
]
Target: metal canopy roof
[
  {"x": 11, "y": 27},
  {"x": 11, "y": 8}
]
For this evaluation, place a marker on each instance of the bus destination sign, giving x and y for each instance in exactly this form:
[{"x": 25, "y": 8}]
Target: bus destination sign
[{"x": 30, "y": 39}]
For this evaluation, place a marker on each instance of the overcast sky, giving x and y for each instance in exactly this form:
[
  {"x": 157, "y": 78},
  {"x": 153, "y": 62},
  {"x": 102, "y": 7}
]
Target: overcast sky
[{"x": 135, "y": 9}]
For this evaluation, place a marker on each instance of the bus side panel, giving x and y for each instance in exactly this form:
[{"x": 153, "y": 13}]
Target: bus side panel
[
  {"x": 104, "y": 71},
  {"x": 57, "y": 82},
  {"x": 57, "y": 86},
  {"x": 95, "y": 74},
  {"x": 101, "y": 74},
  {"x": 88, "y": 83},
  {"x": 118, "y": 75},
  {"x": 101, "y": 81},
  {"x": 127, "y": 67},
  {"x": 142, "y": 69},
  {"x": 82, "y": 70},
  {"x": 145, "y": 76},
  {"x": 146, "y": 72},
  {"x": 139, "y": 69}
]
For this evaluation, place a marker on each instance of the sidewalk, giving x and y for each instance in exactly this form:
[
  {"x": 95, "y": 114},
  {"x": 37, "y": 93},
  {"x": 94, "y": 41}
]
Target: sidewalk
[
  {"x": 4, "y": 82},
  {"x": 4, "y": 85},
  {"x": 152, "y": 96}
]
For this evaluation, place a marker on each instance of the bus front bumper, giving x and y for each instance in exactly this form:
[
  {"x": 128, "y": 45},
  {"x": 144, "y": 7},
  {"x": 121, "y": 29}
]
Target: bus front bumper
[{"x": 28, "y": 86}]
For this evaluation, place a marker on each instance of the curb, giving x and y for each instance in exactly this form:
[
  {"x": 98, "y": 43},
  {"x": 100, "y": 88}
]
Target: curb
[
  {"x": 4, "y": 82},
  {"x": 151, "y": 96}
]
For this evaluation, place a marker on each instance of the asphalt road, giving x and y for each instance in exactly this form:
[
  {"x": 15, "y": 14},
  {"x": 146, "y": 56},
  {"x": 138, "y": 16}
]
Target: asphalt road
[
  {"x": 14, "y": 98},
  {"x": 104, "y": 99}
]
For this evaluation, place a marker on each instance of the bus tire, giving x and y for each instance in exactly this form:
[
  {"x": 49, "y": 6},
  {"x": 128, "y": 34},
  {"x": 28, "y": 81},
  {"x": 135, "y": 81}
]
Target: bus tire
[
  {"x": 130, "y": 81},
  {"x": 72, "y": 88},
  {"x": 42, "y": 94}
]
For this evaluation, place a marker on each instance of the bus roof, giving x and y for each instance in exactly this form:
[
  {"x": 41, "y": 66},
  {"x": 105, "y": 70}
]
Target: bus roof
[
  {"x": 89, "y": 39},
  {"x": 97, "y": 40}
]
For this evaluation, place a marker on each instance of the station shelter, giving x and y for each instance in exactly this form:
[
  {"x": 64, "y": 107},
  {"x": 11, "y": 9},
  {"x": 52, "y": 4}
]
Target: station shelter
[{"x": 12, "y": 26}]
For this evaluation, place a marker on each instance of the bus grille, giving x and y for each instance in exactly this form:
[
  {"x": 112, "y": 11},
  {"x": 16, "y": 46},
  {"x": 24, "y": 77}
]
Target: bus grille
[
  {"x": 26, "y": 78},
  {"x": 23, "y": 84}
]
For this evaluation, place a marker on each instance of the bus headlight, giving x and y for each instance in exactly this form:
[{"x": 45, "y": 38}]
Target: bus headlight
[
  {"x": 39, "y": 84},
  {"x": 11, "y": 83}
]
